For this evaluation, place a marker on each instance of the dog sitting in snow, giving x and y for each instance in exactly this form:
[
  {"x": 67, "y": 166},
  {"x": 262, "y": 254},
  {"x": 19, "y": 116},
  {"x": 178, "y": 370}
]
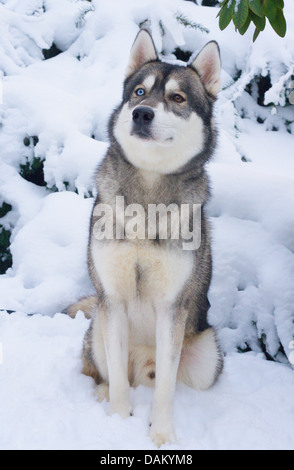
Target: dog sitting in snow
[{"x": 149, "y": 318}]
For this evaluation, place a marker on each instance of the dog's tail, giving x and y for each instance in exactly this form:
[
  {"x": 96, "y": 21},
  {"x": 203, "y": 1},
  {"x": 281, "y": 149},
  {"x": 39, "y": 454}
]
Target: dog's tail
[{"x": 87, "y": 305}]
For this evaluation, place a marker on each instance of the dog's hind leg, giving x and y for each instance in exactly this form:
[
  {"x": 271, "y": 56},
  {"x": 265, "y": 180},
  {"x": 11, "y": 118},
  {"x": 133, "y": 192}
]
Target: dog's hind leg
[
  {"x": 89, "y": 366},
  {"x": 201, "y": 360},
  {"x": 94, "y": 357}
]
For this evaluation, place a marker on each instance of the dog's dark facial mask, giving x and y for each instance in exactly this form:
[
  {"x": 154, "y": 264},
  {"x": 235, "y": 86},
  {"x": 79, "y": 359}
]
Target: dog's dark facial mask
[{"x": 161, "y": 122}]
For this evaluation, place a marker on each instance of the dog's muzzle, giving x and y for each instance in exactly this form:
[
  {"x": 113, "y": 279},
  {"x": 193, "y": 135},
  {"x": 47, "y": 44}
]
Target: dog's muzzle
[{"x": 142, "y": 119}]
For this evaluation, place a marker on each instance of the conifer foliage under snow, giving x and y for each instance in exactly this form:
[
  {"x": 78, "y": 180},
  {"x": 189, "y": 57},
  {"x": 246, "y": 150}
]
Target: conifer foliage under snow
[{"x": 62, "y": 65}]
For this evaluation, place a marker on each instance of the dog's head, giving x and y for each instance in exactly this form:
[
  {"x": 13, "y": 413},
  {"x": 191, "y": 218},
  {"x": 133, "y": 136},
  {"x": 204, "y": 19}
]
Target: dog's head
[{"x": 166, "y": 113}]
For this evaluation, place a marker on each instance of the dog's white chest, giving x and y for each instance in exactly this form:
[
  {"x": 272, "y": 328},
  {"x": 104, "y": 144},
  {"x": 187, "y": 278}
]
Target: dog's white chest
[
  {"x": 142, "y": 276},
  {"x": 129, "y": 271}
]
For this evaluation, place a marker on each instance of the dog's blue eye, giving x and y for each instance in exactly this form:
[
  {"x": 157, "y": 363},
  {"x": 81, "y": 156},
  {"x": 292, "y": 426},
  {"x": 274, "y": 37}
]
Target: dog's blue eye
[{"x": 140, "y": 92}]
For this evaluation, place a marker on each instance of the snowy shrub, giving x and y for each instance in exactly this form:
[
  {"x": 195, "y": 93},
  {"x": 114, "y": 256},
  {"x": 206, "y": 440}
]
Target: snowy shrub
[
  {"x": 62, "y": 65},
  {"x": 5, "y": 255}
]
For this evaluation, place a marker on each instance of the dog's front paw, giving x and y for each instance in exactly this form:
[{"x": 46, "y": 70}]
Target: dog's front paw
[
  {"x": 162, "y": 435},
  {"x": 124, "y": 409}
]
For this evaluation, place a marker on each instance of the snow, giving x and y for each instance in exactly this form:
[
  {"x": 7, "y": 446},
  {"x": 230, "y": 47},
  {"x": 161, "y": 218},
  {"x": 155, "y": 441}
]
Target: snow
[
  {"x": 54, "y": 229},
  {"x": 65, "y": 102},
  {"x": 53, "y": 406}
]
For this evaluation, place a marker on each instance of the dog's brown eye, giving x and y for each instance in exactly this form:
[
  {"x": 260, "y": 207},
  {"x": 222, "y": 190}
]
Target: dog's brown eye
[{"x": 178, "y": 98}]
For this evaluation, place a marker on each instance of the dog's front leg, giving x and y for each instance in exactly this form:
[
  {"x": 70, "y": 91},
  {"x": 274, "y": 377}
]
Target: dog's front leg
[
  {"x": 115, "y": 334},
  {"x": 169, "y": 339}
]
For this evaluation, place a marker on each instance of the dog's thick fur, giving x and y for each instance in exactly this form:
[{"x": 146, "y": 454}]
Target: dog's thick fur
[{"x": 149, "y": 318}]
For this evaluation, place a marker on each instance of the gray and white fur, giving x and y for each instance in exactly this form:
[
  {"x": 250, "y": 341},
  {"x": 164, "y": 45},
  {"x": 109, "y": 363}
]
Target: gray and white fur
[{"x": 149, "y": 318}]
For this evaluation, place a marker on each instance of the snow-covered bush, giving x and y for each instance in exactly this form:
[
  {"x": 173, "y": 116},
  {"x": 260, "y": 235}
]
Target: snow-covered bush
[{"x": 62, "y": 65}]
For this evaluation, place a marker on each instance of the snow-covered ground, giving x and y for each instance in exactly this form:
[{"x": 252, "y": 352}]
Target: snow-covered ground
[
  {"x": 65, "y": 101},
  {"x": 46, "y": 403}
]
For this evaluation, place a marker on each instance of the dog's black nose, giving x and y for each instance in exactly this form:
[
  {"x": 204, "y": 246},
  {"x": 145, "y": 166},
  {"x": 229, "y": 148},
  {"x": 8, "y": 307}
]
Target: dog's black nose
[{"x": 143, "y": 115}]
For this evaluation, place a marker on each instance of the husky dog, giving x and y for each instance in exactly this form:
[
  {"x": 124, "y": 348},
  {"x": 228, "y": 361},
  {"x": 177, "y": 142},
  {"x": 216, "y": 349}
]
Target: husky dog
[{"x": 149, "y": 318}]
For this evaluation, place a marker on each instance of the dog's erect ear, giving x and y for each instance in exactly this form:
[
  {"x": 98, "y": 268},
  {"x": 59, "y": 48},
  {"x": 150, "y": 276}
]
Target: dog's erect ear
[
  {"x": 143, "y": 51},
  {"x": 208, "y": 66}
]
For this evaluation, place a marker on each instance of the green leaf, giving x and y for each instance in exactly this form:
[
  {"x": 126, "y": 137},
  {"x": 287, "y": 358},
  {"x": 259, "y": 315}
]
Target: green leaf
[
  {"x": 280, "y": 4},
  {"x": 222, "y": 4},
  {"x": 226, "y": 14},
  {"x": 240, "y": 16},
  {"x": 270, "y": 9},
  {"x": 244, "y": 28},
  {"x": 256, "y": 7},
  {"x": 255, "y": 35},
  {"x": 259, "y": 22},
  {"x": 279, "y": 24}
]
